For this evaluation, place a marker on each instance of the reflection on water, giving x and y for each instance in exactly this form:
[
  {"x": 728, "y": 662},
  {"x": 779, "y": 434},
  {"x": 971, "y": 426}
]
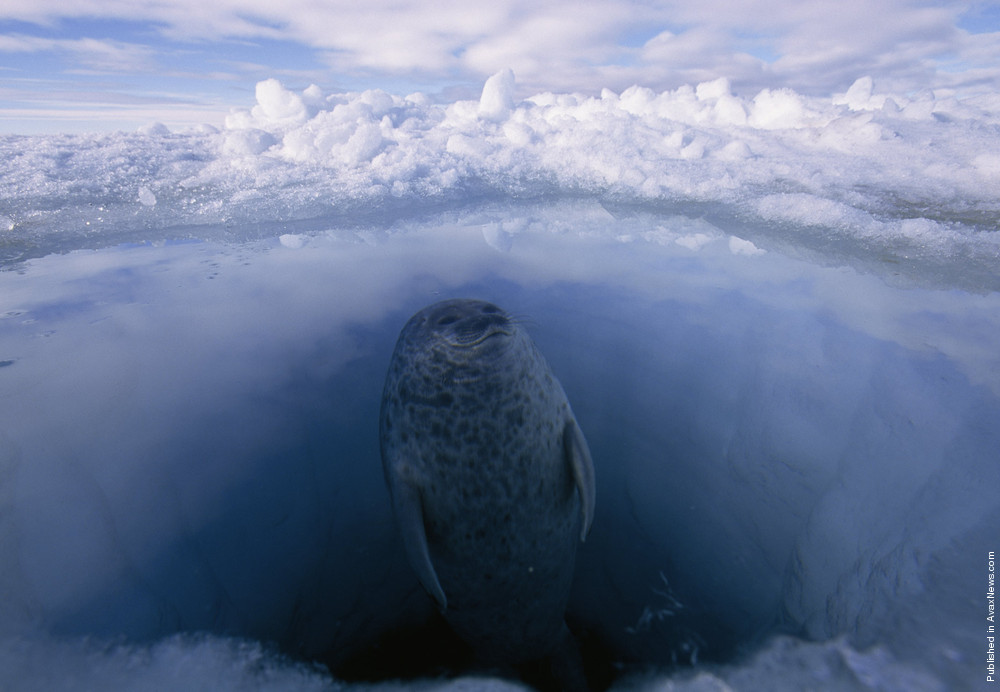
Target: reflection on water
[{"x": 188, "y": 438}]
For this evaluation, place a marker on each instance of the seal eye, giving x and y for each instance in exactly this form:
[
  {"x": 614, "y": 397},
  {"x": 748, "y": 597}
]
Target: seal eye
[{"x": 446, "y": 320}]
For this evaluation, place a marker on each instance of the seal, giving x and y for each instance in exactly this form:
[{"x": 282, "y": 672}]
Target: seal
[{"x": 491, "y": 479}]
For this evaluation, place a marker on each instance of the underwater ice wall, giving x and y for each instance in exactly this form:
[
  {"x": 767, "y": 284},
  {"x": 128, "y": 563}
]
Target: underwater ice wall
[{"x": 785, "y": 454}]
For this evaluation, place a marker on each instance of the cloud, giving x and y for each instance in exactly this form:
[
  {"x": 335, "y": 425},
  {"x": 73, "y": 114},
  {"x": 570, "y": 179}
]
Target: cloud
[
  {"x": 891, "y": 39},
  {"x": 552, "y": 45},
  {"x": 545, "y": 40},
  {"x": 86, "y": 53}
]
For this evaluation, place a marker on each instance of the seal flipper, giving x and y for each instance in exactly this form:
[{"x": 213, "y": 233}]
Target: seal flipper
[
  {"x": 409, "y": 509},
  {"x": 580, "y": 463}
]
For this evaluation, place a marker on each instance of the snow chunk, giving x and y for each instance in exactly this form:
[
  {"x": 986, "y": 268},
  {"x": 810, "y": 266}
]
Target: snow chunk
[
  {"x": 778, "y": 109},
  {"x": 248, "y": 142},
  {"x": 277, "y": 104},
  {"x": 735, "y": 151},
  {"x": 713, "y": 90},
  {"x": 363, "y": 144},
  {"x": 154, "y": 129},
  {"x": 497, "y": 100},
  {"x": 858, "y": 96},
  {"x": 729, "y": 110},
  {"x": 146, "y": 197},
  {"x": 313, "y": 97},
  {"x": 465, "y": 146}
]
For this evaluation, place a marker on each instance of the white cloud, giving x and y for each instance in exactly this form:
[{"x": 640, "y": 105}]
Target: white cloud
[
  {"x": 87, "y": 53},
  {"x": 559, "y": 45}
]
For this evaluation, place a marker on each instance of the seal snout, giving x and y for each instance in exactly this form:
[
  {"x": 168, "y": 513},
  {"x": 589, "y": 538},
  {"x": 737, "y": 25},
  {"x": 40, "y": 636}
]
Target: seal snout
[
  {"x": 478, "y": 329},
  {"x": 469, "y": 323}
]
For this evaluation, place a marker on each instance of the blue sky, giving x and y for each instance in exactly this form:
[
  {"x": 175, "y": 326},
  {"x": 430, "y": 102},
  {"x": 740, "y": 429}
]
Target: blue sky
[{"x": 79, "y": 65}]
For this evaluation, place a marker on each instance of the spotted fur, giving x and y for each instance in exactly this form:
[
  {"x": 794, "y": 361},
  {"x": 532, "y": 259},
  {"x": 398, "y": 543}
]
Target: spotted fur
[{"x": 491, "y": 480}]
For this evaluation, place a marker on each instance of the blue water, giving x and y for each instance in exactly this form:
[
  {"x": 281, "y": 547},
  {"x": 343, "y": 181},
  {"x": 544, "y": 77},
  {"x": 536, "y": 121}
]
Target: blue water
[{"x": 796, "y": 460}]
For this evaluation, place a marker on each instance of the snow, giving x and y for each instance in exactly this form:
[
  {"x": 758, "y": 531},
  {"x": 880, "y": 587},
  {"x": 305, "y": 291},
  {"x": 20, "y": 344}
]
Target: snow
[
  {"x": 775, "y": 316},
  {"x": 831, "y": 176},
  {"x": 497, "y": 100}
]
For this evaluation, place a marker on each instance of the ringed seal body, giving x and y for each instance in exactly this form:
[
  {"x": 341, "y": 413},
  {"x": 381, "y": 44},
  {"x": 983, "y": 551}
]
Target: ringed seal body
[{"x": 491, "y": 480}]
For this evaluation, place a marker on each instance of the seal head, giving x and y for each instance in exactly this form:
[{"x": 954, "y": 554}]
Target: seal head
[{"x": 491, "y": 480}]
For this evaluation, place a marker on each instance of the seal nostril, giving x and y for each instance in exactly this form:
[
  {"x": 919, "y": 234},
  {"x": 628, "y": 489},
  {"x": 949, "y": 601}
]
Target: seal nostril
[{"x": 446, "y": 320}]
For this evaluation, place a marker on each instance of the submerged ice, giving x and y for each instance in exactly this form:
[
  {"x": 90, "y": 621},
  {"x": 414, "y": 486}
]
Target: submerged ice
[{"x": 775, "y": 316}]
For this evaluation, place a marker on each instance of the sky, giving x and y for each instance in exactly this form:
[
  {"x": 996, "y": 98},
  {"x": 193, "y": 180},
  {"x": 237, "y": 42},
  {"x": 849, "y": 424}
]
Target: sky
[{"x": 83, "y": 65}]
